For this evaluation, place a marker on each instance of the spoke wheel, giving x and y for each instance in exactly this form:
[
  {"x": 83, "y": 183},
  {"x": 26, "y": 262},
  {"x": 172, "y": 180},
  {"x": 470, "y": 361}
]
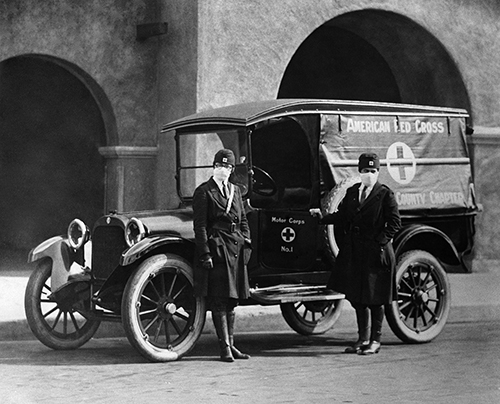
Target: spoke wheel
[
  {"x": 423, "y": 298},
  {"x": 310, "y": 318},
  {"x": 161, "y": 315},
  {"x": 56, "y": 325}
]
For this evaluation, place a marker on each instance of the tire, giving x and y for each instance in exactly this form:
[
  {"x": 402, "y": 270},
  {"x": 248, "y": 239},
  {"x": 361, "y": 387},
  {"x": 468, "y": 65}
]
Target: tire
[
  {"x": 423, "y": 298},
  {"x": 312, "y": 318},
  {"x": 330, "y": 204},
  {"x": 161, "y": 315},
  {"x": 58, "y": 327}
]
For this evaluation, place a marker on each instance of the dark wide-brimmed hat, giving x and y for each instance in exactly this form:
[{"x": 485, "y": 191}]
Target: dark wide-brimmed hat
[
  {"x": 225, "y": 156},
  {"x": 368, "y": 160}
]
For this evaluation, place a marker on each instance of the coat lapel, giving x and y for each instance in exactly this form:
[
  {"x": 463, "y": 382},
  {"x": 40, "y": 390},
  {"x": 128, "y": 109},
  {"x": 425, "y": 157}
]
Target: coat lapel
[
  {"x": 372, "y": 196},
  {"x": 216, "y": 193},
  {"x": 356, "y": 192}
]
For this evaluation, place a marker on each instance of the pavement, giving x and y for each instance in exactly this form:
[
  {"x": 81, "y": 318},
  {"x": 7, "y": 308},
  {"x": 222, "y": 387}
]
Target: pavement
[{"x": 474, "y": 297}]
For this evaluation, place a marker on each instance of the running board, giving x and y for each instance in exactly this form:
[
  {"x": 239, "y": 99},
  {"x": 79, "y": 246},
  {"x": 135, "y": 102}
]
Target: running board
[{"x": 294, "y": 293}]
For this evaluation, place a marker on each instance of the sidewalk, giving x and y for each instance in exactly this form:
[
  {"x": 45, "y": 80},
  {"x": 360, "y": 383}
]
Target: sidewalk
[{"x": 475, "y": 297}]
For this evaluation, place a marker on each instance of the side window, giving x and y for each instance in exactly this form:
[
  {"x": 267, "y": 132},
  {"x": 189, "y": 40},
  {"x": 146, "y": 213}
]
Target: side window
[
  {"x": 195, "y": 153},
  {"x": 281, "y": 158}
]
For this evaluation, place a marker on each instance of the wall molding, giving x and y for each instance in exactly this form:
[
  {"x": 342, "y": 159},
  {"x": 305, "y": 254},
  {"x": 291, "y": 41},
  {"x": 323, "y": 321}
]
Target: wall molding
[
  {"x": 136, "y": 152},
  {"x": 485, "y": 136}
]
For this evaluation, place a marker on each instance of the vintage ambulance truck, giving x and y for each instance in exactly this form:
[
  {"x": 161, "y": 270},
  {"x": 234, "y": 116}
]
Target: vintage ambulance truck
[{"x": 292, "y": 155}]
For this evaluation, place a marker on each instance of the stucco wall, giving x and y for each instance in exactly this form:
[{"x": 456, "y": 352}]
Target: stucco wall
[
  {"x": 100, "y": 38},
  {"x": 485, "y": 148},
  {"x": 218, "y": 52},
  {"x": 246, "y": 45}
]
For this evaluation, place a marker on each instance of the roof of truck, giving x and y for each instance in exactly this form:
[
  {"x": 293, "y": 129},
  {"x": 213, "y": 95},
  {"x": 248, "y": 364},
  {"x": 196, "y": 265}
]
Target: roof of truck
[{"x": 253, "y": 112}]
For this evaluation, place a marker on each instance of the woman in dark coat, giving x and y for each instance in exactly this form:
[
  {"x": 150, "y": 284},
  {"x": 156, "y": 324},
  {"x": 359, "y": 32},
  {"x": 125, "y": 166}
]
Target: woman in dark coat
[
  {"x": 368, "y": 218},
  {"x": 222, "y": 239}
]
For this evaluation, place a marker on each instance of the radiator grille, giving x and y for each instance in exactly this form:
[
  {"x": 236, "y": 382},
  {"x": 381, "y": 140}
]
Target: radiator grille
[{"x": 108, "y": 244}]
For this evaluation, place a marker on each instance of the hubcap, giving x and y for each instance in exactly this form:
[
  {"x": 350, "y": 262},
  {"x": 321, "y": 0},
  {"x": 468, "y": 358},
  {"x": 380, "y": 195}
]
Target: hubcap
[
  {"x": 166, "y": 308},
  {"x": 420, "y": 296},
  {"x": 170, "y": 308}
]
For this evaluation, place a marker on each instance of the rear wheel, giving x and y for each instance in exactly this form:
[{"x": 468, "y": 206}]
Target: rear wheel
[
  {"x": 55, "y": 324},
  {"x": 311, "y": 318},
  {"x": 423, "y": 303},
  {"x": 161, "y": 315}
]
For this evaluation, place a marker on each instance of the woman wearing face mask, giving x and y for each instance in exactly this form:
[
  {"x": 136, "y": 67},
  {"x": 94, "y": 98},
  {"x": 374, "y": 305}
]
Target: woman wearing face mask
[
  {"x": 368, "y": 218},
  {"x": 222, "y": 239}
]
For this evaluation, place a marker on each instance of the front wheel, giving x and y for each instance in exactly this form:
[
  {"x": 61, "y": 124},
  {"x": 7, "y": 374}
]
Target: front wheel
[
  {"x": 161, "y": 315},
  {"x": 312, "y": 318},
  {"x": 423, "y": 298},
  {"x": 57, "y": 325}
]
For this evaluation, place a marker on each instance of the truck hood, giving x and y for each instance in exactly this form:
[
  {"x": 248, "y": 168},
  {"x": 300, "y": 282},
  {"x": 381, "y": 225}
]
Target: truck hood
[{"x": 178, "y": 222}]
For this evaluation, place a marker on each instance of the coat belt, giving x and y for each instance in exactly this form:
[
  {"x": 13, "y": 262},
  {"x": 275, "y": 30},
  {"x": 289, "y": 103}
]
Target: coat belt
[{"x": 226, "y": 226}]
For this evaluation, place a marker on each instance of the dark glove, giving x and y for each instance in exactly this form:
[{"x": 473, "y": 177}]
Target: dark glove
[
  {"x": 387, "y": 258},
  {"x": 207, "y": 263}
]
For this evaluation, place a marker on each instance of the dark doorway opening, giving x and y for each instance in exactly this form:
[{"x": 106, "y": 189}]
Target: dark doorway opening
[
  {"x": 374, "y": 55},
  {"x": 337, "y": 64},
  {"x": 51, "y": 170}
]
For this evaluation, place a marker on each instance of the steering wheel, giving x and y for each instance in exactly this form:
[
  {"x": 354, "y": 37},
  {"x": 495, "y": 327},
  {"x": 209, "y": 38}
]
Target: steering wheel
[{"x": 262, "y": 182}]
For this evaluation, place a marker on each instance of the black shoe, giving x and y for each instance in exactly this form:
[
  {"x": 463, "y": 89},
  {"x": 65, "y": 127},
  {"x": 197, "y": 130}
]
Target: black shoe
[
  {"x": 358, "y": 346},
  {"x": 237, "y": 354},
  {"x": 372, "y": 348},
  {"x": 221, "y": 327},
  {"x": 226, "y": 355}
]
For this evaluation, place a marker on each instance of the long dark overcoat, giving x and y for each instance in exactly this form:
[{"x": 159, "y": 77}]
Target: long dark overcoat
[
  {"x": 214, "y": 236},
  {"x": 364, "y": 268}
]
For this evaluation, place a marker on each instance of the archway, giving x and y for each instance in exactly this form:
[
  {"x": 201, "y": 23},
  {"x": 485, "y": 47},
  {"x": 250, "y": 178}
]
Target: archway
[
  {"x": 51, "y": 171},
  {"x": 374, "y": 55}
]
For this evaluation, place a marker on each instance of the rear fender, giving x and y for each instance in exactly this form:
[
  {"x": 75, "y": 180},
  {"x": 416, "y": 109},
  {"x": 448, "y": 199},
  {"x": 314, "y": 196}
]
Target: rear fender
[
  {"x": 65, "y": 260},
  {"x": 147, "y": 245},
  {"x": 427, "y": 238}
]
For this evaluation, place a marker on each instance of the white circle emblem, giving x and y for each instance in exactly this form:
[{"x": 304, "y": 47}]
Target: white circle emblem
[
  {"x": 288, "y": 234},
  {"x": 401, "y": 162}
]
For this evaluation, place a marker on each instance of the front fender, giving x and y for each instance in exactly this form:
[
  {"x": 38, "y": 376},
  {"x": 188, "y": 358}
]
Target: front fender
[
  {"x": 59, "y": 251},
  {"x": 427, "y": 238},
  {"x": 143, "y": 247},
  {"x": 46, "y": 248},
  {"x": 64, "y": 259}
]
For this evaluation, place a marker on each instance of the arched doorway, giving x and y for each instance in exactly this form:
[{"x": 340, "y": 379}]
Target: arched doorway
[
  {"x": 374, "y": 55},
  {"x": 50, "y": 168}
]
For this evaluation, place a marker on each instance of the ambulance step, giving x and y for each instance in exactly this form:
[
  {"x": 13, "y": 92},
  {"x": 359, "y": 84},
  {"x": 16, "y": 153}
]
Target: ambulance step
[{"x": 293, "y": 293}]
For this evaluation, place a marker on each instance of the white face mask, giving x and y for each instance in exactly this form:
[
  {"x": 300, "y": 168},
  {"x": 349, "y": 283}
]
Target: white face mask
[
  {"x": 221, "y": 173},
  {"x": 369, "y": 179}
]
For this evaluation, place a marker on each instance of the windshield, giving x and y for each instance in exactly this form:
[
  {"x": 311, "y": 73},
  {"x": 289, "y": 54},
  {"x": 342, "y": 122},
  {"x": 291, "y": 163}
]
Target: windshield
[{"x": 195, "y": 155}]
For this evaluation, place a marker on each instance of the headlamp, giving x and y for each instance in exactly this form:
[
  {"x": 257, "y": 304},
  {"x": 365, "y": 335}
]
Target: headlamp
[
  {"x": 78, "y": 234},
  {"x": 134, "y": 232}
]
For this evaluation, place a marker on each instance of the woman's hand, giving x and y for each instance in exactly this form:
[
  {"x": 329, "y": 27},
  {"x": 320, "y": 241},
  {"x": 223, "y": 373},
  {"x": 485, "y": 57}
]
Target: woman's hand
[
  {"x": 315, "y": 212},
  {"x": 207, "y": 262}
]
